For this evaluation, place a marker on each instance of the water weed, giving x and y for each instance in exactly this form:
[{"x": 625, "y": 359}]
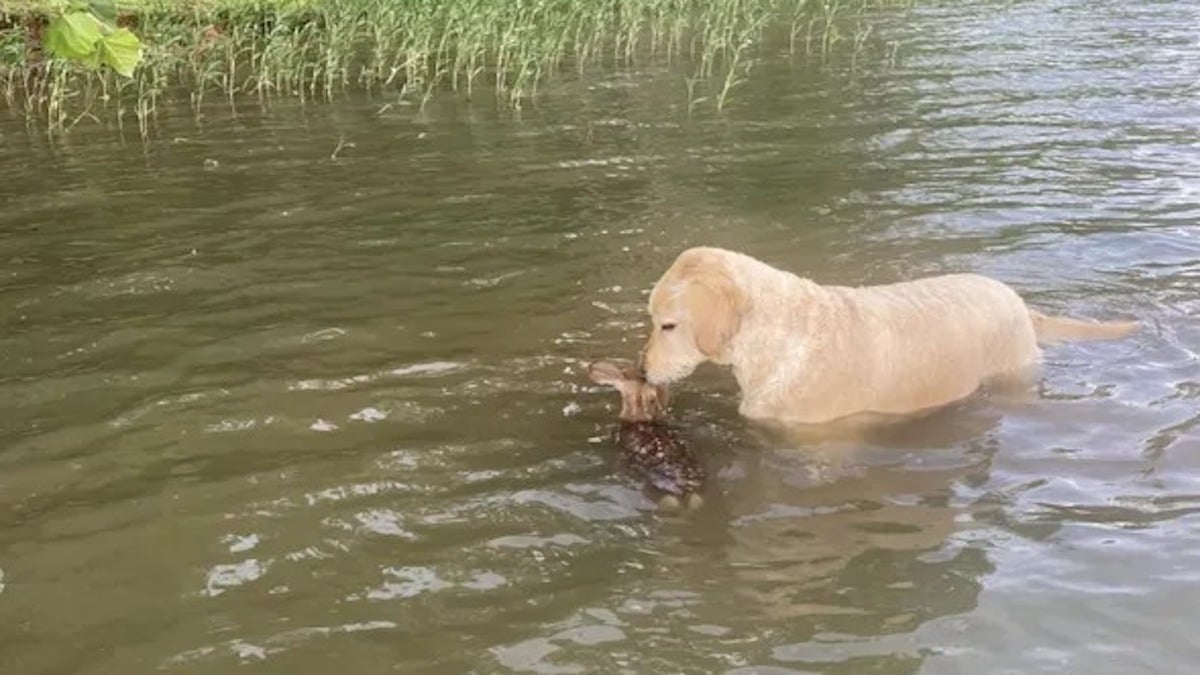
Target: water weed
[{"x": 400, "y": 50}]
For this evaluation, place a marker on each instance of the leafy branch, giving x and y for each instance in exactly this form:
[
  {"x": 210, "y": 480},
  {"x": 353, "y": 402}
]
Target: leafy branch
[{"x": 86, "y": 32}]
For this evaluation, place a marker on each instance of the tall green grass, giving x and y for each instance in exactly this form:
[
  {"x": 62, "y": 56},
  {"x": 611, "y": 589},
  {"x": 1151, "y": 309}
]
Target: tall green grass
[{"x": 404, "y": 50}]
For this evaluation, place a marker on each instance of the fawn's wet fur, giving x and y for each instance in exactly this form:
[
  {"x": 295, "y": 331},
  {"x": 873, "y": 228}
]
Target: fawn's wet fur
[{"x": 649, "y": 447}]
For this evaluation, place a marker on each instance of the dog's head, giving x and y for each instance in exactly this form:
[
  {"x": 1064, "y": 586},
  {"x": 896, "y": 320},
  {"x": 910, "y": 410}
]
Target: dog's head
[{"x": 696, "y": 308}]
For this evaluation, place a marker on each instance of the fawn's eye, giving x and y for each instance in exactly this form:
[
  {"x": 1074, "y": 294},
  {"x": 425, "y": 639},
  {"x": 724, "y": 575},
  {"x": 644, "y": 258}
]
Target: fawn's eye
[{"x": 668, "y": 326}]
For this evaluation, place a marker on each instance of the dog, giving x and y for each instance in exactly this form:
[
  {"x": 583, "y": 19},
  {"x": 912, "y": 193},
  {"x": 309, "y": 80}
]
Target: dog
[{"x": 807, "y": 353}]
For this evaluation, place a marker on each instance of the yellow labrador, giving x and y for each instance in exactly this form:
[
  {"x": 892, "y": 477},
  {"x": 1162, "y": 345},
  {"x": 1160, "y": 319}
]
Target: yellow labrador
[{"x": 806, "y": 353}]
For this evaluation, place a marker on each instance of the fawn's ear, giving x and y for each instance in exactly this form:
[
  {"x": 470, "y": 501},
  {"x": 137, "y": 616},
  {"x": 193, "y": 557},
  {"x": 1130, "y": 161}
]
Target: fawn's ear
[
  {"x": 652, "y": 400},
  {"x": 662, "y": 394},
  {"x": 609, "y": 373}
]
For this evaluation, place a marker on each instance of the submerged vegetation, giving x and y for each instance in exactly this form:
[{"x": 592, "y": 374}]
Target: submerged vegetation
[{"x": 399, "y": 50}]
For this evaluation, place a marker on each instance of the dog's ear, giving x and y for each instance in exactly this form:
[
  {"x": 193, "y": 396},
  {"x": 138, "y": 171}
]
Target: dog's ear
[{"x": 715, "y": 305}]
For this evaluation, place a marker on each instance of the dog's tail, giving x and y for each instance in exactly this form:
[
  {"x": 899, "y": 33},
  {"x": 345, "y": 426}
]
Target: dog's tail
[{"x": 1054, "y": 329}]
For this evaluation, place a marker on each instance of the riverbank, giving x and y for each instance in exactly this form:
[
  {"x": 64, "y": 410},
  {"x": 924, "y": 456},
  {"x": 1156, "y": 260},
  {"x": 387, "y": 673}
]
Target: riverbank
[{"x": 401, "y": 51}]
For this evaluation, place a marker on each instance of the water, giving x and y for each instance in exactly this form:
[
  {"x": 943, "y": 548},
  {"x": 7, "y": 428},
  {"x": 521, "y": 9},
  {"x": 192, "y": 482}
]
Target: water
[{"x": 271, "y": 409}]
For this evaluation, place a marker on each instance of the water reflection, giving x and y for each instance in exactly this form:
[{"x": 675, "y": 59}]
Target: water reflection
[{"x": 839, "y": 544}]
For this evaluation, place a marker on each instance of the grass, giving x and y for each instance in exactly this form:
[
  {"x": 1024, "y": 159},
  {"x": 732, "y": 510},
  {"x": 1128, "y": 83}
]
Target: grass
[{"x": 402, "y": 50}]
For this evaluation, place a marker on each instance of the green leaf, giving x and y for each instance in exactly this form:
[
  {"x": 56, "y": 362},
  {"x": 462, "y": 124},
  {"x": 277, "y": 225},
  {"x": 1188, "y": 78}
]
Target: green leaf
[
  {"x": 105, "y": 9},
  {"x": 121, "y": 50},
  {"x": 73, "y": 35},
  {"x": 91, "y": 61}
]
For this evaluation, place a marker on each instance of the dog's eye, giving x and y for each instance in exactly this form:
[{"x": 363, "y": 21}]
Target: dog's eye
[{"x": 668, "y": 326}]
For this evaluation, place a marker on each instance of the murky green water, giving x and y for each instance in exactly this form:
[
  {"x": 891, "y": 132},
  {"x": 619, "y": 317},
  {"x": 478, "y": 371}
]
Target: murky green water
[{"x": 267, "y": 411}]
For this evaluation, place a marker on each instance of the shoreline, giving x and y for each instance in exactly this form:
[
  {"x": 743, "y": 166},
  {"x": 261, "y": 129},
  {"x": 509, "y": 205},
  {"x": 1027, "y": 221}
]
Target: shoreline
[{"x": 403, "y": 51}]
